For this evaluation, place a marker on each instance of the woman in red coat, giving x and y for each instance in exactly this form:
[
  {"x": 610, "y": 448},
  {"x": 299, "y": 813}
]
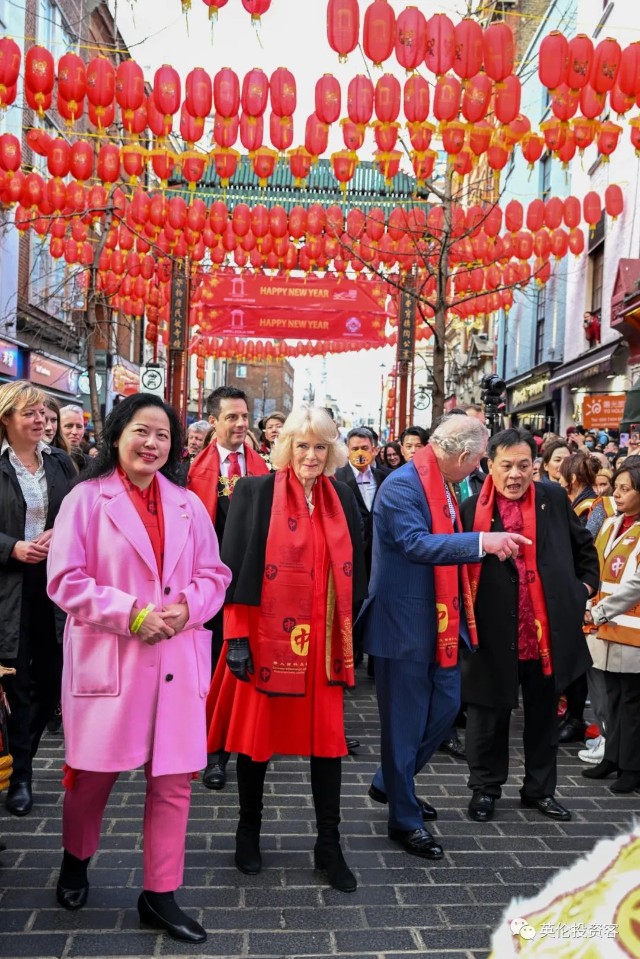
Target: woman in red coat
[{"x": 293, "y": 544}]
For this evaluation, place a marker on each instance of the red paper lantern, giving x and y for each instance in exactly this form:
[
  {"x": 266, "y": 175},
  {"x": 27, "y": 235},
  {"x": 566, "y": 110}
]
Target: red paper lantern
[
  {"x": 214, "y": 6},
  {"x": 446, "y": 99},
  {"x": 226, "y": 93},
  {"x": 379, "y": 31},
  {"x": 166, "y": 91},
  {"x": 352, "y": 134},
  {"x": 476, "y": 98},
  {"x": 281, "y": 132},
  {"x": 256, "y": 8},
  {"x": 135, "y": 121},
  {"x": 32, "y": 191},
  {"x": 463, "y": 162},
  {"x": 387, "y": 98},
  {"x": 255, "y": 92},
  {"x": 576, "y": 242},
  {"x": 592, "y": 208},
  {"x": 441, "y": 44},
  {"x": 507, "y": 99},
  {"x": 513, "y": 216},
  {"x": 81, "y": 161},
  {"x": 497, "y": 156},
  {"x": 109, "y": 163},
  {"x": 453, "y": 137},
  {"x": 420, "y": 135},
  {"x": 553, "y": 60},
  {"x": 554, "y": 132},
  {"x": 8, "y": 95},
  {"x": 300, "y": 165},
  {"x": 608, "y": 138},
  {"x": 283, "y": 92},
  {"x": 411, "y": 38},
  {"x": 225, "y": 130},
  {"x": 344, "y": 163},
  {"x": 101, "y": 89},
  {"x": 316, "y": 137},
  {"x": 553, "y": 213},
  {"x": 191, "y": 128},
  {"x": 251, "y": 132},
  {"x": 591, "y": 103},
  {"x": 579, "y": 60},
  {"x": 328, "y": 98},
  {"x": 39, "y": 75},
  {"x": 572, "y": 212},
  {"x": 360, "y": 99},
  {"x": 535, "y": 215},
  {"x": 499, "y": 51},
  {"x": 264, "y": 164},
  {"x": 72, "y": 82},
  {"x": 635, "y": 134},
  {"x": 568, "y": 149},
  {"x": 416, "y": 99},
  {"x": 343, "y": 26},
  {"x": 606, "y": 64},
  {"x": 559, "y": 243},
  {"x": 480, "y": 137},
  {"x": 163, "y": 163},
  {"x": 584, "y": 132},
  {"x": 130, "y": 91},
  {"x": 564, "y": 102},
  {"x": 629, "y": 72},
  {"x": 10, "y": 57},
  {"x": 10, "y": 152},
  {"x": 226, "y": 163},
  {"x": 468, "y": 48},
  {"x": 386, "y": 135},
  {"x": 59, "y": 158},
  {"x": 620, "y": 102},
  {"x": 193, "y": 166},
  {"x": 388, "y": 164},
  {"x": 198, "y": 93}
]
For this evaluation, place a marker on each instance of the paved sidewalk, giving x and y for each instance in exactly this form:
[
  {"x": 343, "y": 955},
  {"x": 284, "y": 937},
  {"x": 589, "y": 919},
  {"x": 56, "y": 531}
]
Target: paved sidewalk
[{"x": 403, "y": 905}]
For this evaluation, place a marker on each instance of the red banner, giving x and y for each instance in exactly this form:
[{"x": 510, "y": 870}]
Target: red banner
[{"x": 252, "y": 305}]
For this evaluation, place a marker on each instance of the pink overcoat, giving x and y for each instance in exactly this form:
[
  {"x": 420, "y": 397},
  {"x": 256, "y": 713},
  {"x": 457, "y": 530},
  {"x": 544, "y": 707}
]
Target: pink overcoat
[{"x": 125, "y": 702}]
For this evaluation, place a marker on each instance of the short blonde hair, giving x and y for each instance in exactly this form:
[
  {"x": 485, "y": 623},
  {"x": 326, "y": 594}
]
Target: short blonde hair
[
  {"x": 16, "y": 396},
  {"x": 309, "y": 421}
]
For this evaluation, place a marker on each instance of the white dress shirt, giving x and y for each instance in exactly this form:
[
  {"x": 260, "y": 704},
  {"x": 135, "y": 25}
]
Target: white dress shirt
[
  {"x": 366, "y": 485},
  {"x": 34, "y": 490},
  {"x": 224, "y": 460}
]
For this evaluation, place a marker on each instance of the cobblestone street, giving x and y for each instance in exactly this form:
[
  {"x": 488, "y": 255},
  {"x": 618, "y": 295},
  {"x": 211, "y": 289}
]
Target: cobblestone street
[{"x": 403, "y": 905}]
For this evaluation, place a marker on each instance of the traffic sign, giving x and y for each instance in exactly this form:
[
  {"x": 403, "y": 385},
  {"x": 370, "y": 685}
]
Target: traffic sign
[{"x": 152, "y": 380}]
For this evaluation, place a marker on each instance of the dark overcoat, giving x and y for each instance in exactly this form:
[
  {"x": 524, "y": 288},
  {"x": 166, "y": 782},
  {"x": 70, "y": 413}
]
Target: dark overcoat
[{"x": 567, "y": 559}]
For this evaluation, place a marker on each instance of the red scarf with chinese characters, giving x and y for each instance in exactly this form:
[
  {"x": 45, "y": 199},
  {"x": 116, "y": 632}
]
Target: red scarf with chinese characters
[
  {"x": 149, "y": 508},
  {"x": 286, "y": 631},
  {"x": 482, "y": 524},
  {"x": 204, "y": 474},
  {"x": 449, "y": 581}
]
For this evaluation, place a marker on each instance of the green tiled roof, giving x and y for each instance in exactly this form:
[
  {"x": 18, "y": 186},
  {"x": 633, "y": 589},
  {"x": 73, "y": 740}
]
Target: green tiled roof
[{"x": 367, "y": 188}]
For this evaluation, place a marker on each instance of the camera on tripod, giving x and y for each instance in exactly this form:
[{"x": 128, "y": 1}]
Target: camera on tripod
[{"x": 493, "y": 388}]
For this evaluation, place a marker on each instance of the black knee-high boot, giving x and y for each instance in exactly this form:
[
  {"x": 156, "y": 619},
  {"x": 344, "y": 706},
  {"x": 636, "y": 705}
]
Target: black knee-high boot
[
  {"x": 250, "y": 776},
  {"x": 325, "y": 786}
]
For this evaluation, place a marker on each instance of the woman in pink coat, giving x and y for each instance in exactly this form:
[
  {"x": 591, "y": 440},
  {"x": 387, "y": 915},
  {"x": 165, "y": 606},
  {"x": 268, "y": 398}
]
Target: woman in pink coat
[{"x": 134, "y": 562}]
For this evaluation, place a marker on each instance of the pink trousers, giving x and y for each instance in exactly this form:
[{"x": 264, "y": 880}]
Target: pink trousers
[{"x": 166, "y": 812}]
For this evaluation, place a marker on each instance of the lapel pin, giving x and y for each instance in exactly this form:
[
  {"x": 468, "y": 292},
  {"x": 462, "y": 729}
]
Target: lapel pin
[{"x": 543, "y": 506}]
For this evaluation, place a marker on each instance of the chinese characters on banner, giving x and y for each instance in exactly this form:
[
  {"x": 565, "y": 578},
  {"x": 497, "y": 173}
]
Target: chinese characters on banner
[
  {"x": 603, "y": 411},
  {"x": 179, "y": 307},
  {"x": 406, "y": 326}
]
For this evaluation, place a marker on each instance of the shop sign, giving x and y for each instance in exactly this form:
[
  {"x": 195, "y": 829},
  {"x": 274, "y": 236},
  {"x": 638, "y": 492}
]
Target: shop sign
[
  {"x": 529, "y": 392},
  {"x": 8, "y": 359},
  {"x": 603, "y": 411},
  {"x": 52, "y": 375}
]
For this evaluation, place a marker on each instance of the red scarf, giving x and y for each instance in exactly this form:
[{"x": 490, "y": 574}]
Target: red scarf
[
  {"x": 482, "y": 524},
  {"x": 204, "y": 474},
  {"x": 447, "y": 581},
  {"x": 286, "y": 629},
  {"x": 148, "y": 505}
]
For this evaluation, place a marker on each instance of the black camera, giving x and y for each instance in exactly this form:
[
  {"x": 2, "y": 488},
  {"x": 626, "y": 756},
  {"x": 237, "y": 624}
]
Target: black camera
[{"x": 493, "y": 388}]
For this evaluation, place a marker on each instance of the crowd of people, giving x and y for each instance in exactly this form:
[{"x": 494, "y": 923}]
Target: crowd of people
[{"x": 244, "y": 581}]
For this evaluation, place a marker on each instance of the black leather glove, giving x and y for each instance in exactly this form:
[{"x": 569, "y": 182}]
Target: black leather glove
[{"x": 239, "y": 659}]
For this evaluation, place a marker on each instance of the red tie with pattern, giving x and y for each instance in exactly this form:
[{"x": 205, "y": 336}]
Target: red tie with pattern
[{"x": 234, "y": 473}]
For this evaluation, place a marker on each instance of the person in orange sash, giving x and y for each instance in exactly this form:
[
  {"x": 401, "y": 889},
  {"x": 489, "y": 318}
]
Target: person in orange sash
[
  {"x": 418, "y": 613},
  {"x": 529, "y": 615},
  {"x": 293, "y": 543},
  {"x": 615, "y": 648},
  {"x": 212, "y": 476}
]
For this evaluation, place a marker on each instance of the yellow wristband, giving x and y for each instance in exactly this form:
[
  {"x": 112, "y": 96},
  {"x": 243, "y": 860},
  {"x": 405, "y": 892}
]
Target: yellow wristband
[{"x": 140, "y": 618}]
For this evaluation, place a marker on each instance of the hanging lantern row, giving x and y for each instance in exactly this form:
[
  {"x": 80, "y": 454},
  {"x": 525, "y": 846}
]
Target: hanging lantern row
[
  {"x": 255, "y": 7},
  {"x": 465, "y": 48}
]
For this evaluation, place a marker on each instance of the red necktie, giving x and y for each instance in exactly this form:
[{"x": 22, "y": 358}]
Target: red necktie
[{"x": 235, "y": 472}]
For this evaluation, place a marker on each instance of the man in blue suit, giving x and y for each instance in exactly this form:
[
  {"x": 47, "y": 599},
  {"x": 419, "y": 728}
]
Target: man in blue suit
[{"x": 419, "y": 609}]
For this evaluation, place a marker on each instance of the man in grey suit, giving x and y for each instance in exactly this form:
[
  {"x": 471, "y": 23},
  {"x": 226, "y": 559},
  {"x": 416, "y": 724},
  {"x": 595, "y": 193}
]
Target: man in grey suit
[{"x": 419, "y": 609}]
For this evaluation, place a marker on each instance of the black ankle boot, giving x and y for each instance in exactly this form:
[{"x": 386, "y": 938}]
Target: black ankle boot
[
  {"x": 73, "y": 886},
  {"x": 161, "y": 911},
  {"x": 328, "y": 859},
  {"x": 248, "y": 858}
]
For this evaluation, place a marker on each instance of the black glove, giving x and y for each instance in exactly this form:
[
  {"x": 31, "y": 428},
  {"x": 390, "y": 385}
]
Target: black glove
[{"x": 239, "y": 659}]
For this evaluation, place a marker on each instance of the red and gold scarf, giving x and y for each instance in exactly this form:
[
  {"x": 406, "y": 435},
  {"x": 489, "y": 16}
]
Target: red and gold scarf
[
  {"x": 482, "y": 524},
  {"x": 449, "y": 581},
  {"x": 287, "y": 632},
  {"x": 204, "y": 474}
]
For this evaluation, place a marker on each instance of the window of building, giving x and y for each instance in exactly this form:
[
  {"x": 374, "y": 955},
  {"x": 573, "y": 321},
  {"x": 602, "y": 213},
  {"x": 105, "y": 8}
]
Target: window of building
[
  {"x": 49, "y": 287},
  {"x": 241, "y": 372},
  {"x": 541, "y": 309},
  {"x": 596, "y": 259},
  {"x": 545, "y": 176},
  {"x": 52, "y": 30}
]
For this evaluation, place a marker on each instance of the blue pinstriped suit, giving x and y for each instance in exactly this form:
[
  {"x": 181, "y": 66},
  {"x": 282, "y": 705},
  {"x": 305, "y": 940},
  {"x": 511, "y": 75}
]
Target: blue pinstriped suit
[{"x": 417, "y": 699}]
